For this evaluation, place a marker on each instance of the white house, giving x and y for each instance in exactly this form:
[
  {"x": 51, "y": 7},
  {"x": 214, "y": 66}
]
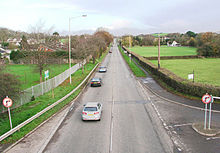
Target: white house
[{"x": 174, "y": 44}]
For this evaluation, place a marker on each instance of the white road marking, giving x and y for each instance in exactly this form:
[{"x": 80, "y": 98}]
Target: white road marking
[
  {"x": 212, "y": 138},
  {"x": 178, "y": 125},
  {"x": 113, "y": 103}
]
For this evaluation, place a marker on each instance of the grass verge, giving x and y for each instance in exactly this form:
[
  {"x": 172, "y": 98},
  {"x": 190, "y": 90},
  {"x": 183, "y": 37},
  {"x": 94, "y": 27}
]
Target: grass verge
[{"x": 134, "y": 68}]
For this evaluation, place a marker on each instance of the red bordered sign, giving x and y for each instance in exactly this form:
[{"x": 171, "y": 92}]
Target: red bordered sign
[
  {"x": 206, "y": 99},
  {"x": 7, "y": 102}
]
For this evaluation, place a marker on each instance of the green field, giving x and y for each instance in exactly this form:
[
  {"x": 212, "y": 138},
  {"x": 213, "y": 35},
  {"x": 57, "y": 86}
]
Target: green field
[
  {"x": 29, "y": 77},
  {"x": 207, "y": 71},
  {"x": 161, "y": 34},
  {"x": 152, "y": 51}
]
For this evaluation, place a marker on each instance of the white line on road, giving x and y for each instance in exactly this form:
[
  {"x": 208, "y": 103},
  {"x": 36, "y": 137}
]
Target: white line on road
[
  {"x": 178, "y": 125},
  {"x": 212, "y": 138},
  {"x": 113, "y": 103},
  {"x": 111, "y": 132}
]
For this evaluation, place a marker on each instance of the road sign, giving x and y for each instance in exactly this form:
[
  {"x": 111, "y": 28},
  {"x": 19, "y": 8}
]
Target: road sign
[
  {"x": 7, "y": 102},
  {"x": 47, "y": 74},
  {"x": 190, "y": 76},
  {"x": 206, "y": 99}
]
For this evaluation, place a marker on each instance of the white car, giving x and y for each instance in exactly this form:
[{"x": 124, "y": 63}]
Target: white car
[
  {"x": 102, "y": 69},
  {"x": 92, "y": 111}
]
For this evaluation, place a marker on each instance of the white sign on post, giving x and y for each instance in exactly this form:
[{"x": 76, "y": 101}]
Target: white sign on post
[
  {"x": 46, "y": 74},
  {"x": 190, "y": 76},
  {"x": 206, "y": 99},
  {"x": 7, "y": 102}
]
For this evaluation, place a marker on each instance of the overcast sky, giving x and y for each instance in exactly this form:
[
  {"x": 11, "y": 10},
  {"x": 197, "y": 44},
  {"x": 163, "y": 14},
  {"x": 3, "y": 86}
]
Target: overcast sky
[{"x": 120, "y": 17}]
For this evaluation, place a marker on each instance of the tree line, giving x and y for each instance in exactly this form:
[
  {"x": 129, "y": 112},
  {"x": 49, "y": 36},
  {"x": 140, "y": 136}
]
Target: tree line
[{"x": 207, "y": 43}]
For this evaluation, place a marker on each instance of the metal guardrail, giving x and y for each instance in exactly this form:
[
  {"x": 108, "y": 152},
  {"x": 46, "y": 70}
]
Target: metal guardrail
[{"x": 2, "y": 137}]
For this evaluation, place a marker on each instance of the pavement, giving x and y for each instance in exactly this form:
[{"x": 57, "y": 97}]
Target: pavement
[{"x": 37, "y": 140}]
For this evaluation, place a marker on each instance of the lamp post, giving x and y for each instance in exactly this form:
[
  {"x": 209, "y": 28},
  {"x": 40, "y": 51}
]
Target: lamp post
[{"x": 70, "y": 45}]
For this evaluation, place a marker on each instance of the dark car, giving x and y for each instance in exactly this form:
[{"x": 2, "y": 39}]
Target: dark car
[
  {"x": 102, "y": 69},
  {"x": 110, "y": 51},
  {"x": 96, "y": 82}
]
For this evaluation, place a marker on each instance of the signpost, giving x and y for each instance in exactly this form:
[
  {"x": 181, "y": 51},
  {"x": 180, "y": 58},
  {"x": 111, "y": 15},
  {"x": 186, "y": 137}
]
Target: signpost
[
  {"x": 46, "y": 76},
  {"x": 210, "y": 112},
  {"x": 206, "y": 99},
  {"x": 191, "y": 76},
  {"x": 7, "y": 102},
  {"x": 130, "y": 57}
]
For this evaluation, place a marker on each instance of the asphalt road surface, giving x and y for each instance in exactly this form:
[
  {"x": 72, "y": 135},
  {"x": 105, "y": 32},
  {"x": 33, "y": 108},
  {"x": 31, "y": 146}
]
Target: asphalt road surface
[{"x": 125, "y": 126}]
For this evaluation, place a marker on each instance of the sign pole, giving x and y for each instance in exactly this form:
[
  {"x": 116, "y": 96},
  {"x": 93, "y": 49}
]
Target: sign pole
[
  {"x": 7, "y": 102},
  {"x": 193, "y": 76},
  {"x": 205, "y": 116},
  {"x": 9, "y": 114},
  {"x": 210, "y": 113}
]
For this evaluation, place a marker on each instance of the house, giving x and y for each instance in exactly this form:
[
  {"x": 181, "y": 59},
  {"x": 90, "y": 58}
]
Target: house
[
  {"x": 14, "y": 41},
  {"x": 5, "y": 53},
  {"x": 45, "y": 48},
  {"x": 174, "y": 44}
]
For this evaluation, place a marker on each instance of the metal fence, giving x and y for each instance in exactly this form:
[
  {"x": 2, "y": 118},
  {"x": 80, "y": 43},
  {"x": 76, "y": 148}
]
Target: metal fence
[{"x": 42, "y": 88}]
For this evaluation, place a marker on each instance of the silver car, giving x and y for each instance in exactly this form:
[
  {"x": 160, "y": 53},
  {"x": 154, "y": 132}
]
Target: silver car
[
  {"x": 102, "y": 69},
  {"x": 92, "y": 111}
]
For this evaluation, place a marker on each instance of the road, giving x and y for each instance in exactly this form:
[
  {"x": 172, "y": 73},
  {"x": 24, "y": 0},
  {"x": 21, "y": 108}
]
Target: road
[{"x": 126, "y": 124}]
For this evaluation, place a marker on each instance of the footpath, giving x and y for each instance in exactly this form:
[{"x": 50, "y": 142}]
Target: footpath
[{"x": 37, "y": 140}]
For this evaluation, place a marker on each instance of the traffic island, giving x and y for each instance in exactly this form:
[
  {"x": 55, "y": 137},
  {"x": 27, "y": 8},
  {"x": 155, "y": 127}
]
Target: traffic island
[{"x": 199, "y": 128}]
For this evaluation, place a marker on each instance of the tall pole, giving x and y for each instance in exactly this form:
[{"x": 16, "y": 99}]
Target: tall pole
[
  {"x": 70, "y": 45},
  {"x": 158, "y": 51},
  {"x": 70, "y": 53},
  {"x": 210, "y": 113},
  {"x": 205, "y": 116}
]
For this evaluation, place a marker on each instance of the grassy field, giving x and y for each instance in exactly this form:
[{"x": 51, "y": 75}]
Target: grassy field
[
  {"x": 135, "y": 69},
  {"x": 23, "y": 73},
  {"x": 161, "y": 34},
  {"x": 207, "y": 71},
  {"x": 152, "y": 51}
]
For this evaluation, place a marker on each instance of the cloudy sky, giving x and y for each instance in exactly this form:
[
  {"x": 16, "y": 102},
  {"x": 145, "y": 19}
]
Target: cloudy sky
[{"x": 118, "y": 16}]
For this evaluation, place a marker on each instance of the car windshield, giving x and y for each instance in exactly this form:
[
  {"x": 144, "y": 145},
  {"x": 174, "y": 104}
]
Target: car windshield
[
  {"x": 95, "y": 79},
  {"x": 90, "y": 109},
  {"x": 102, "y": 67}
]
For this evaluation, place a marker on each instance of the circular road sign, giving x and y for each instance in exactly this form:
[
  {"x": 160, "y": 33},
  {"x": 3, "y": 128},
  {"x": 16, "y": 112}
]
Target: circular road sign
[
  {"x": 206, "y": 99},
  {"x": 7, "y": 102}
]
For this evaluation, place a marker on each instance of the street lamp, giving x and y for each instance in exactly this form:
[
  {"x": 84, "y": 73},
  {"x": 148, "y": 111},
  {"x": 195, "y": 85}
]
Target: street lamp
[{"x": 70, "y": 44}]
